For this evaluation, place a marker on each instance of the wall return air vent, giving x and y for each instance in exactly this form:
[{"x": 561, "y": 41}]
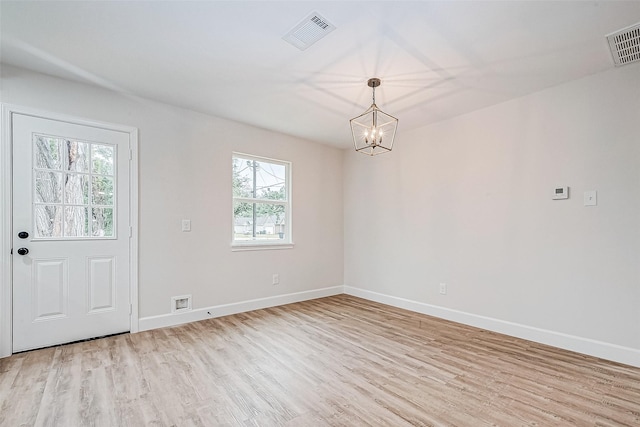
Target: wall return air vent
[
  {"x": 308, "y": 31},
  {"x": 625, "y": 45}
]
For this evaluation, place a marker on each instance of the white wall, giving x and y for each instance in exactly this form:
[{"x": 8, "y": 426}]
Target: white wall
[
  {"x": 185, "y": 173},
  {"x": 467, "y": 202}
]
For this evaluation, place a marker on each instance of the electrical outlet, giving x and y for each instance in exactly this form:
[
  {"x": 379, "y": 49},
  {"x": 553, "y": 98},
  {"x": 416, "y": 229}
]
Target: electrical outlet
[
  {"x": 276, "y": 279},
  {"x": 443, "y": 288}
]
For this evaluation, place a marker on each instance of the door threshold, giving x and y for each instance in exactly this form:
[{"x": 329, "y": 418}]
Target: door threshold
[{"x": 73, "y": 342}]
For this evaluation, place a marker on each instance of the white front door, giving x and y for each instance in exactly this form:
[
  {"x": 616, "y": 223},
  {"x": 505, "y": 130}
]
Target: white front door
[{"x": 71, "y": 232}]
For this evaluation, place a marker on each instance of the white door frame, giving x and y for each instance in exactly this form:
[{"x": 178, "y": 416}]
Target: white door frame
[{"x": 6, "y": 180}]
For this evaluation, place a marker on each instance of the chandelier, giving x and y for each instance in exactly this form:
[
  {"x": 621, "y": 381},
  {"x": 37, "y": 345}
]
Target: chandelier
[{"x": 374, "y": 130}]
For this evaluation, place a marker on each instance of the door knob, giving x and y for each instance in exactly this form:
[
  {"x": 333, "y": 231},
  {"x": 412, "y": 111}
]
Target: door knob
[
  {"x": 23, "y": 234},
  {"x": 23, "y": 251}
]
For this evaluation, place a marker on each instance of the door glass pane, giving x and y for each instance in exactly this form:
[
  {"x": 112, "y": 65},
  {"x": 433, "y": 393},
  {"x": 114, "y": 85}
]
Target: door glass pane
[
  {"x": 102, "y": 190},
  {"x": 48, "y": 221},
  {"x": 102, "y": 222},
  {"x": 102, "y": 159},
  {"x": 79, "y": 201},
  {"x": 47, "y": 152},
  {"x": 77, "y": 155},
  {"x": 76, "y": 189},
  {"x": 76, "y": 221},
  {"x": 48, "y": 187}
]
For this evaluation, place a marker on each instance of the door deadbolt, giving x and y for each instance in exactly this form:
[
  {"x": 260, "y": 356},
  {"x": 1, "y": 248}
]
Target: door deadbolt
[{"x": 23, "y": 234}]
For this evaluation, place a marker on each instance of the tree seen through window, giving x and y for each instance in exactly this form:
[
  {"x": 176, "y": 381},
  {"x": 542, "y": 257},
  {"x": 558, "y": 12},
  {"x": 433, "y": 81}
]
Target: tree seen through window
[{"x": 261, "y": 199}]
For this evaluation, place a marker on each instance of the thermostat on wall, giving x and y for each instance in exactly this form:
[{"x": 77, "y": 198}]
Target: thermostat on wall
[{"x": 560, "y": 193}]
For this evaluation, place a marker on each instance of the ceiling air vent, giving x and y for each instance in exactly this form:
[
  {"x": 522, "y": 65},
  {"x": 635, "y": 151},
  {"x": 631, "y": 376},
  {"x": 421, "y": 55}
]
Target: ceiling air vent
[
  {"x": 308, "y": 31},
  {"x": 625, "y": 45}
]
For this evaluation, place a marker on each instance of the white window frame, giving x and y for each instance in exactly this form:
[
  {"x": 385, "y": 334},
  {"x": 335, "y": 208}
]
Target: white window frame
[{"x": 263, "y": 244}]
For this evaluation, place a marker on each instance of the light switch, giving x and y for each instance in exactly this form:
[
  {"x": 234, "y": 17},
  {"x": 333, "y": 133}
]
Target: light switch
[
  {"x": 186, "y": 225},
  {"x": 591, "y": 198}
]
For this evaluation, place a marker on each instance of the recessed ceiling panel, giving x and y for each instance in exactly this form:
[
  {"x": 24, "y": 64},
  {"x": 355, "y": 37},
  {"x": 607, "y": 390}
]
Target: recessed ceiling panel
[
  {"x": 309, "y": 30},
  {"x": 625, "y": 45}
]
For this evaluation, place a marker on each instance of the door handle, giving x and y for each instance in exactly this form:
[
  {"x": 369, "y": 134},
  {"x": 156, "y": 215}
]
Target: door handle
[
  {"x": 23, "y": 234},
  {"x": 23, "y": 251}
]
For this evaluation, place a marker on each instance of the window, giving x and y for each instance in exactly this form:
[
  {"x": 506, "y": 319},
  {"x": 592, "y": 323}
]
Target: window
[
  {"x": 74, "y": 189},
  {"x": 261, "y": 201}
]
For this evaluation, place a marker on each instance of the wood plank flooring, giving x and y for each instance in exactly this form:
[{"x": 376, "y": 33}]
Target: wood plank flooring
[{"x": 337, "y": 361}]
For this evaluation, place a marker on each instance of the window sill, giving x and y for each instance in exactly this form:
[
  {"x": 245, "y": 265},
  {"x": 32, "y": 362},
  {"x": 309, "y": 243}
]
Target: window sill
[{"x": 237, "y": 247}]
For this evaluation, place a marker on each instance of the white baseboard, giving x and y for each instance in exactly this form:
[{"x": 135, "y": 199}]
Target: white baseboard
[
  {"x": 164, "y": 320},
  {"x": 613, "y": 352}
]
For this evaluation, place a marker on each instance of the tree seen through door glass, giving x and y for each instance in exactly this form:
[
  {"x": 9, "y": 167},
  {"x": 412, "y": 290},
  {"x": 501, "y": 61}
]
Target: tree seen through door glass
[
  {"x": 77, "y": 189},
  {"x": 76, "y": 224},
  {"x": 102, "y": 222},
  {"x": 48, "y": 153},
  {"x": 74, "y": 188},
  {"x": 48, "y": 219},
  {"x": 48, "y": 187},
  {"x": 102, "y": 159},
  {"x": 77, "y": 155}
]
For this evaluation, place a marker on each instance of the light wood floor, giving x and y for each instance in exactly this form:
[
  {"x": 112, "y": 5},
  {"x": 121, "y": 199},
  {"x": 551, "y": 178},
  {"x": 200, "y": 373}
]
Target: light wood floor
[{"x": 338, "y": 361}]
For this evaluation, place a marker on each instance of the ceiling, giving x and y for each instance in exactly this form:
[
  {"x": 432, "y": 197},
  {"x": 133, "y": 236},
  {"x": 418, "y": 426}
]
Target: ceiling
[{"x": 436, "y": 59}]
